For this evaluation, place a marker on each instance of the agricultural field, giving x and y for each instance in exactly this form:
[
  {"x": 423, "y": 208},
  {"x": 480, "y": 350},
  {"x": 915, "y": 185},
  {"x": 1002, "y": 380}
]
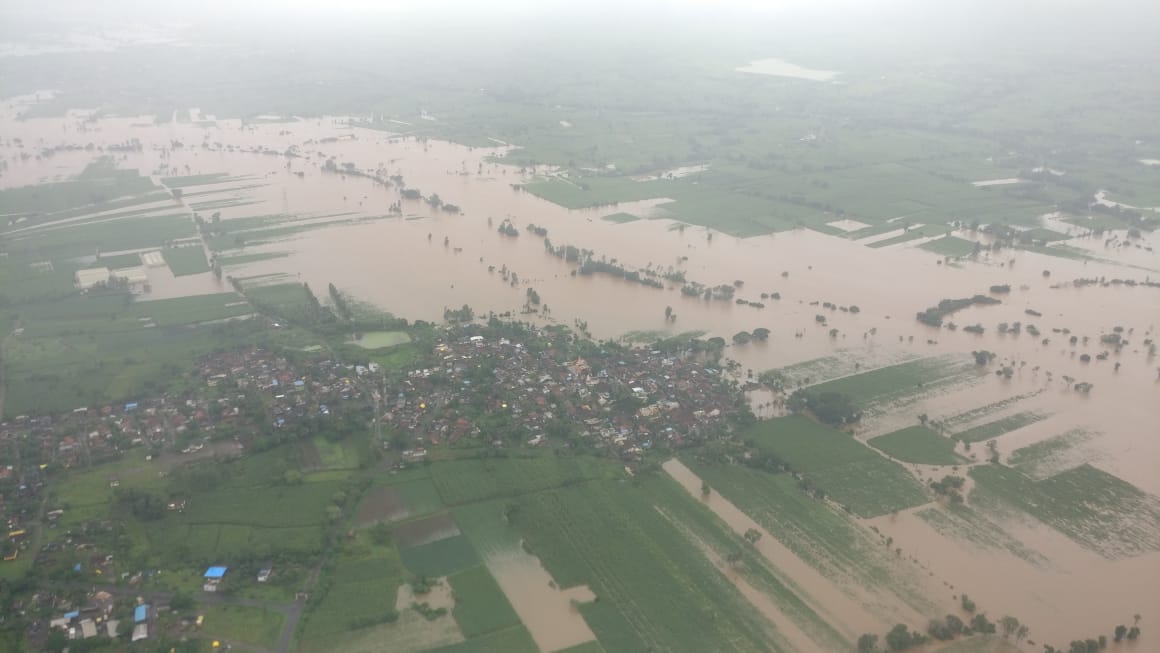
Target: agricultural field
[
  {"x": 951, "y": 246},
  {"x": 240, "y": 623},
  {"x": 481, "y": 607},
  {"x": 620, "y": 218},
  {"x": 918, "y": 444},
  {"x": 896, "y": 383},
  {"x": 1090, "y": 506},
  {"x": 468, "y": 480},
  {"x": 998, "y": 427},
  {"x": 356, "y": 592},
  {"x": 611, "y": 537},
  {"x": 1052, "y": 455},
  {"x": 184, "y": 261},
  {"x": 442, "y": 557},
  {"x": 964, "y": 524},
  {"x": 839, "y": 465},
  {"x": 826, "y": 539}
]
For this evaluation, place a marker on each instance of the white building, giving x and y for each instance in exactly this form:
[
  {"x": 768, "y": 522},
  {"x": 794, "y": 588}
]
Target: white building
[{"x": 90, "y": 277}]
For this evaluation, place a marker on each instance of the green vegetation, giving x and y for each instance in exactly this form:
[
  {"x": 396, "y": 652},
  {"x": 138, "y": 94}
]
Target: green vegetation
[
  {"x": 620, "y": 218},
  {"x": 611, "y": 537},
  {"x": 357, "y": 591},
  {"x": 924, "y": 231},
  {"x": 186, "y": 260},
  {"x": 828, "y": 540},
  {"x": 837, "y": 465},
  {"x": 117, "y": 261},
  {"x": 964, "y": 524},
  {"x": 952, "y": 246},
  {"x": 468, "y": 480},
  {"x": 516, "y": 639},
  {"x": 442, "y": 557},
  {"x": 240, "y": 623},
  {"x": 1092, "y": 507},
  {"x": 994, "y": 429},
  {"x": 382, "y": 339},
  {"x": 897, "y": 382},
  {"x": 918, "y": 444},
  {"x": 480, "y": 605},
  {"x": 1049, "y": 456}
]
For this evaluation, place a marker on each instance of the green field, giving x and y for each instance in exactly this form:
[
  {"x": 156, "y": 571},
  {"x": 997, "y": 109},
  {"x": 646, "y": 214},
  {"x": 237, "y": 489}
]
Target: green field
[
  {"x": 186, "y": 260},
  {"x": 515, "y": 639},
  {"x": 464, "y": 481},
  {"x": 898, "y": 382},
  {"x": 292, "y": 505},
  {"x": 995, "y": 428},
  {"x": 1050, "y": 456},
  {"x": 119, "y": 261},
  {"x": 191, "y": 310},
  {"x": 480, "y": 605},
  {"x": 848, "y": 471},
  {"x": 240, "y": 623},
  {"x": 335, "y": 455},
  {"x": 629, "y": 546},
  {"x": 828, "y": 540},
  {"x": 382, "y": 339},
  {"x": 356, "y": 592},
  {"x": 918, "y": 444},
  {"x": 964, "y": 524},
  {"x": 443, "y": 557},
  {"x": 1092, "y": 507},
  {"x": 952, "y": 246},
  {"x": 620, "y": 218}
]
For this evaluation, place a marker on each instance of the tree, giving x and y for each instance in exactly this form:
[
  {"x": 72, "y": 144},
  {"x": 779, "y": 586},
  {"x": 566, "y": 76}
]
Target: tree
[
  {"x": 967, "y": 603},
  {"x": 761, "y": 333},
  {"x": 867, "y": 643},
  {"x": 380, "y": 534},
  {"x": 741, "y": 337},
  {"x": 705, "y": 491},
  {"x": 668, "y": 312},
  {"x": 1009, "y": 624},
  {"x": 1133, "y": 632},
  {"x": 1121, "y": 630},
  {"x": 954, "y": 624},
  {"x": 980, "y": 624},
  {"x": 752, "y": 535},
  {"x": 181, "y": 601}
]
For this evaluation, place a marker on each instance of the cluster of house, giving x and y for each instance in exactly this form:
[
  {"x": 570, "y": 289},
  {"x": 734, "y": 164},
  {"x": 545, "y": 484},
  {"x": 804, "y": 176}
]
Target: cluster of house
[
  {"x": 290, "y": 390},
  {"x": 94, "y": 618},
  {"x": 626, "y": 400}
]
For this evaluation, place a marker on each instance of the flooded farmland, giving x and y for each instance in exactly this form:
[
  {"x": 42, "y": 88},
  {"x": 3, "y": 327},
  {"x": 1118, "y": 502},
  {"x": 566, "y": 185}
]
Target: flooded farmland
[{"x": 420, "y": 260}]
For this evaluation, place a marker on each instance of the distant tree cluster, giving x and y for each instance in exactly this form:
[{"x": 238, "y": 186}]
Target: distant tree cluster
[{"x": 831, "y": 408}]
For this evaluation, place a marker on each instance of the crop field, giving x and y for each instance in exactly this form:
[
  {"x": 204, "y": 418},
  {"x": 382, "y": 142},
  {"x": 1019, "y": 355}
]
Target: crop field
[
  {"x": 1090, "y": 506},
  {"x": 610, "y": 536},
  {"x": 994, "y": 429},
  {"x": 847, "y": 470},
  {"x": 383, "y": 503},
  {"x": 241, "y": 623},
  {"x": 90, "y": 237},
  {"x": 292, "y": 505},
  {"x": 952, "y": 246},
  {"x": 463, "y": 481},
  {"x": 924, "y": 231},
  {"x": 897, "y": 382},
  {"x": 515, "y": 639},
  {"x": 357, "y": 592},
  {"x": 184, "y": 261},
  {"x": 1053, "y": 455},
  {"x": 480, "y": 605},
  {"x": 280, "y": 296},
  {"x": 101, "y": 186},
  {"x": 426, "y": 530},
  {"x": 963, "y": 524},
  {"x": 335, "y": 455},
  {"x": 119, "y": 261},
  {"x": 918, "y": 444},
  {"x": 444, "y": 557},
  {"x": 826, "y": 539},
  {"x": 190, "y": 310},
  {"x": 846, "y": 362}
]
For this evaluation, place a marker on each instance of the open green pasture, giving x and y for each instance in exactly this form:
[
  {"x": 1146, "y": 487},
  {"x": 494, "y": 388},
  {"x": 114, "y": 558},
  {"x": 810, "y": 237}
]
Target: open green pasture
[
  {"x": 1097, "y": 510},
  {"x": 847, "y": 470},
  {"x": 356, "y": 591},
  {"x": 242, "y": 623},
  {"x": 918, "y": 444},
  {"x": 382, "y": 339},
  {"x": 952, "y": 246}
]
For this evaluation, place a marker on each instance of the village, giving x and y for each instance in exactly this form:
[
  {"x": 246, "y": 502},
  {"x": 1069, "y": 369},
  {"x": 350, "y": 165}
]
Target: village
[{"x": 497, "y": 386}]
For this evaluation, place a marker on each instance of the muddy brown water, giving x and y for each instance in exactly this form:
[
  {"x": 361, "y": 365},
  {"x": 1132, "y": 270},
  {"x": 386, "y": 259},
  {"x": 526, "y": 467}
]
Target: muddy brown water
[
  {"x": 402, "y": 265},
  {"x": 551, "y": 614}
]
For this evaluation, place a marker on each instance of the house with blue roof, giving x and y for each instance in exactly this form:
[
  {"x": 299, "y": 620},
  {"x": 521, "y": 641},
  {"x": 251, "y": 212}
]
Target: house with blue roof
[
  {"x": 141, "y": 613},
  {"x": 213, "y": 577}
]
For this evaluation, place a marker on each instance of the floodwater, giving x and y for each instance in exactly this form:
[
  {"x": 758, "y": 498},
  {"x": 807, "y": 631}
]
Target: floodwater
[
  {"x": 424, "y": 260},
  {"x": 551, "y": 614},
  {"x": 780, "y": 68}
]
